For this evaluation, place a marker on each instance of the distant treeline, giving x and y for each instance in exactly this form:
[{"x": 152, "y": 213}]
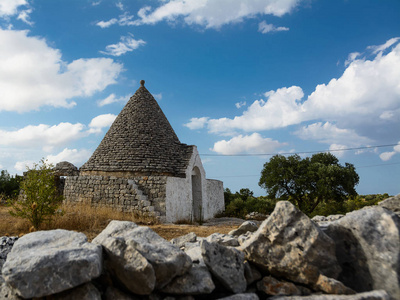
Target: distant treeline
[
  {"x": 241, "y": 203},
  {"x": 9, "y": 185}
]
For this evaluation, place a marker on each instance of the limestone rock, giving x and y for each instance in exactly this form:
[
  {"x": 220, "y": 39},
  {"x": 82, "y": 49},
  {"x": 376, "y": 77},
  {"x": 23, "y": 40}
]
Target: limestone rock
[
  {"x": 123, "y": 260},
  {"x": 246, "y": 296},
  {"x": 195, "y": 282},
  {"x": 6, "y": 292},
  {"x": 194, "y": 252},
  {"x": 245, "y": 227},
  {"x": 141, "y": 244},
  {"x": 373, "y": 295},
  {"x": 85, "y": 292},
  {"x": 115, "y": 294},
  {"x": 251, "y": 273},
  {"x": 226, "y": 264},
  {"x": 223, "y": 239},
  {"x": 368, "y": 247},
  {"x": 331, "y": 286},
  {"x": 182, "y": 240},
  {"x": 6, "y": 244},
  {"x": 256, "y": 216},
  {"x": 272, "y": 286},
  {"x": 48, "y": 262},
  {"x": 288, "y": 244},
  {"x": 392, "y": 203}
]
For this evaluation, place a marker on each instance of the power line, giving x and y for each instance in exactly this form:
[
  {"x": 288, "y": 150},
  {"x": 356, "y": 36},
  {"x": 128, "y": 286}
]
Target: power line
[
  {"x": 302, "y": 152},
  {"x": 369, "y": 166}
]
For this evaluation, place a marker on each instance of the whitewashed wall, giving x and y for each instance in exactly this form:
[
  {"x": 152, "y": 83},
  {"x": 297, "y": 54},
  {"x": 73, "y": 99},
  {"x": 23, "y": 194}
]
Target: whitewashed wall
[{"x": 179, "y": 200}]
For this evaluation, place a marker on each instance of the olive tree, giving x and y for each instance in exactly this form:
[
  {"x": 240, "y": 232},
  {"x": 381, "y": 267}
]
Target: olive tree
[
  {"x": 309, "y": 181},
  {"x": 39, "y": 199}
]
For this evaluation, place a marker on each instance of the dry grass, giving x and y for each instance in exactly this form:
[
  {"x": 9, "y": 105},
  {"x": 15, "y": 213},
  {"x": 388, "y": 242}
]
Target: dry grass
[{"x": 91, "y": 221}]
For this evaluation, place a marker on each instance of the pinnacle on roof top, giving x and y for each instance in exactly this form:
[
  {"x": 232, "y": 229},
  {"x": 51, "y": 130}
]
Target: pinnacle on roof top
[{"x": 142, "y": 83}]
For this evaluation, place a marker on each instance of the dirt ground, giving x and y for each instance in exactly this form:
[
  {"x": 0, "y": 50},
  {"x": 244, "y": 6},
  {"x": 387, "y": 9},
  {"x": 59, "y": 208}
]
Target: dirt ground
[{"x": 12, "y": 226}]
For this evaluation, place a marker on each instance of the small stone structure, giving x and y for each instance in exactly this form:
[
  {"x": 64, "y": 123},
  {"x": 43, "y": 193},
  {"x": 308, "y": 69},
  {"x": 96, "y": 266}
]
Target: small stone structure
[{"x": 141, "y": 166}]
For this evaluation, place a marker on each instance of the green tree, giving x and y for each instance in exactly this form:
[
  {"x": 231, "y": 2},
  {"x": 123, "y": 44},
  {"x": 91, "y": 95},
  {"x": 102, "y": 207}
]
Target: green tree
[
  {"x": 40, "y": 198},
  {"x": 9, "y": 185},
  {"x": 310, "y": 181}
]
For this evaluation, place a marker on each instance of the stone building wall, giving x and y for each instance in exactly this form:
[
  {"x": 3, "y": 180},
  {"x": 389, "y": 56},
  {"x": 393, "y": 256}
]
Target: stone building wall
[{"x": 144, "y": 195}]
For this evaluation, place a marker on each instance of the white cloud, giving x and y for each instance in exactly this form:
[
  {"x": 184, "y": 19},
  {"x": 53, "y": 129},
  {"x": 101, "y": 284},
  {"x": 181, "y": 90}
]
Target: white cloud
[
  {"x": 196, "y": 123},
  {"x": 95, "y": 3},
  {"x": 120, "y": 5},
  {"x": 112, "y": 98},
  {"x": 253, "y": 143},
  {"x": 74, "y": 156},
  {"x": 158, "y": 96},
  {"x": 42, "y": 136},
  {"x": 383, "y": 47},
  {"x": 106, "y": 24},
  {"x": 22, "y": 166},
  {"x": 329, "y": 133},
  {"x": 240, "y": 104},
  {"x": 127, "y": 44},
  {"x": 263, "y": 27},
  {"x": 10, "y": 7},
  {"x": 385, "y": 156},
  {"x": 281, "y": 109},
  {"x": 338, "y": 150},
  {"x": 352, "y": 57},
  {"x": 33, "y": 75},
  {"x": 363, "y": 103},
  {"x": 100, "y": 122},
  {"x": 24, "y": 16},
  {"x": 207, "y": 13}
]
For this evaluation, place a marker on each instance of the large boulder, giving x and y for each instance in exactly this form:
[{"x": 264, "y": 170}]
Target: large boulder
[
  {"x": 289, "y": 245},
  {"x": 374, "y": 295},
  {"x": 226, "y": 264},
  {"x": 140, "y": 258},
  {"x": 392, "y": 203},
  {"x": 195, "y": 282},
  {"x": 85, "y": 292},
  {"x": 48, "y": 262},
  {"x": 368, "y": 247},
  {"x": 223, "y": 239}
]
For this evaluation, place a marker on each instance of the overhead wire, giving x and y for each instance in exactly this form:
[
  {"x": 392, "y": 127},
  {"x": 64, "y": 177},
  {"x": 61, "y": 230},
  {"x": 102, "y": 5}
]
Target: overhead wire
[{"x": 301, "y": 152}]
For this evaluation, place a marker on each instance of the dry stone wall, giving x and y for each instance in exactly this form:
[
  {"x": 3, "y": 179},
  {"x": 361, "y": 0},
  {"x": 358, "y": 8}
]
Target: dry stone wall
[{"x": 144, "y": 195}]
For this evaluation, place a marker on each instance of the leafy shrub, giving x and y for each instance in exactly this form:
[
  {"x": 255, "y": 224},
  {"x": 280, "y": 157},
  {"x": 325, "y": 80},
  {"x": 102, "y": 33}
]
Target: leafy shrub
[{"x": 40, "y": 199}]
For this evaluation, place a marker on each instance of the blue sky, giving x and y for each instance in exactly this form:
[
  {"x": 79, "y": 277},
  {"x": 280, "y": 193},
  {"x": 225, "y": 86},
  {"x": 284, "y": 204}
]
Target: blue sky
[{"x": 232, "y": 76}]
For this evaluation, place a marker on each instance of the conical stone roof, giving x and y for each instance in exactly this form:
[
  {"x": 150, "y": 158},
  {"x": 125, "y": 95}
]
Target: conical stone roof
[{"x": 141, "y": 140}]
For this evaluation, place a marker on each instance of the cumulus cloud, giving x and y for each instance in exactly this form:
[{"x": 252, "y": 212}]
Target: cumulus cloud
[
  {"x": 196, "y": 123},
  {"x": 101, "y": 121},
  {"x": 329, "y": 133},
  {"x": 106, "y": 24},
  {"x": 282, "y": 108},
  {"x": 22, "y": 166},
  {"x": 206, "y": 13},
  {"x": 367, "y": 90},
  {"x": 112, "y": 98},
  {"x": 33, "y": 75},
  {"x": 253, "y": 143},
  {"x": 74, "y": 156},
  {"x": 240, "y": 104},
  {"x": 263, "y": 27},
  {"x": 127, "y": 44},
  {"x": 361, "y": 107},
  {"x": 42, "y": 136},
  {"x": 379, "y": 48},
  {"x": 10, "y": 7},
  {"x": 385, "y": 156}
]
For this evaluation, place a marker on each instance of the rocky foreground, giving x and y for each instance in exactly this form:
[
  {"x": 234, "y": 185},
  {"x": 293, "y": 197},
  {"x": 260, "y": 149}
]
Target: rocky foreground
[{"x": 289, "y": 256}]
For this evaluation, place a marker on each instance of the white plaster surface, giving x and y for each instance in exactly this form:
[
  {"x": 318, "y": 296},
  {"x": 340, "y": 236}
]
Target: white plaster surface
[{"x": 179, "y": 198}]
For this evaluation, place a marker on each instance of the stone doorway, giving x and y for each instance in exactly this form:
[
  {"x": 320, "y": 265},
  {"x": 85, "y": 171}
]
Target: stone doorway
[{"x": 197, "y": 195}]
